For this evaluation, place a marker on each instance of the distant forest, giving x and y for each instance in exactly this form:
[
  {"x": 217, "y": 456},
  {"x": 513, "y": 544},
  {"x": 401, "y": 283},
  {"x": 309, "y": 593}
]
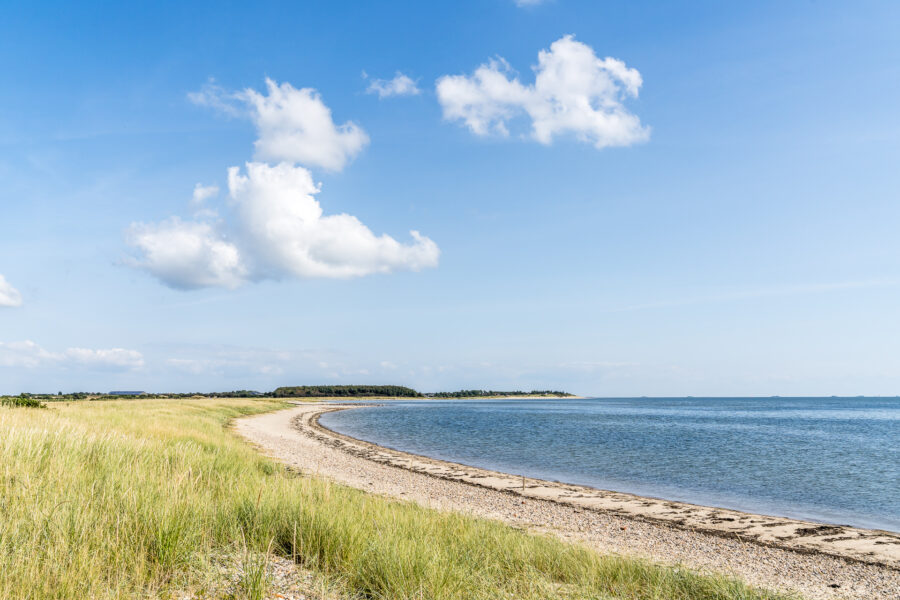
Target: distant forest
[
  {"x": 482, "y": 393},
  {"x": 313, "y": 391}
]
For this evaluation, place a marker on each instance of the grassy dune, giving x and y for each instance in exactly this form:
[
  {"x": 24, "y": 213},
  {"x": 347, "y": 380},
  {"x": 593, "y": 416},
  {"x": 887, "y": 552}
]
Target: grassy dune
[{"x": 129, "y": 499}]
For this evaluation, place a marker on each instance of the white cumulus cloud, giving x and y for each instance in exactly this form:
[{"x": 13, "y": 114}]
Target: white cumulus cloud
[
  {"x": 293, "y": 125},
  {"x": 28, "y": 354},
  {"x": 274, "y": 226},
  {"x": 574, "y": 93},
  {"x": 400, "y": 85},
  {"x": 278, "y": 229},
  {"x": 188, "y": 254},
  {"x": 9, "y": 296},
  {"x": 285, "y": 230}
]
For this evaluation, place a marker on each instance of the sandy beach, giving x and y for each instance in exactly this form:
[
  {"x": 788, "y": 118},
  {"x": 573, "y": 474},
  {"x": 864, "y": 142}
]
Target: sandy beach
[{"x": 815, "y": 560}]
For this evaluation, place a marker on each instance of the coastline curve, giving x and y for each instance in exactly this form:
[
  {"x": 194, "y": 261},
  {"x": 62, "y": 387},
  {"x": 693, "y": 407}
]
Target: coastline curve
[
  {"x": 289, "y": 437},
  {"x": 867, "y": 546}
]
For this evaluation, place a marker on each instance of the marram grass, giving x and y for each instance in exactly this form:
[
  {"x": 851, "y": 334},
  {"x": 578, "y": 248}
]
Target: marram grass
[{"x": 130, "y": 499}]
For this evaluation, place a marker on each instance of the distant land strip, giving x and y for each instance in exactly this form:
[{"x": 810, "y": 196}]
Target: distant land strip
[{"x": 301, "y": 391}]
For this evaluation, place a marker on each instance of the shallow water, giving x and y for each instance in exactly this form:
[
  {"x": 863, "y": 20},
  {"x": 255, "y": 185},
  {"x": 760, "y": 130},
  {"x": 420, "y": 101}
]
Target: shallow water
[{"x": 835, "y": 460}]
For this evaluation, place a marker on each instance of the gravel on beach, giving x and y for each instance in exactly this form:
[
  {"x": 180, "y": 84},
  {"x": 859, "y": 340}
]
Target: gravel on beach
[{"x": 287, "y": 437}]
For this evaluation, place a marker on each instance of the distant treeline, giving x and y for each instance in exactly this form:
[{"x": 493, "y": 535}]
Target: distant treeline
[
  {"x": 482, "y": 393},
  {"x": 316, "y": 391},
  {"x": 300, "y": 391},
  {"x": 61, "y": 397}
]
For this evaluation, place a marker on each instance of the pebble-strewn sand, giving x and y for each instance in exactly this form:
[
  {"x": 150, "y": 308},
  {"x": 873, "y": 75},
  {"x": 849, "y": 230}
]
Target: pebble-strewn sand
[{"x": 292, "y": 437}]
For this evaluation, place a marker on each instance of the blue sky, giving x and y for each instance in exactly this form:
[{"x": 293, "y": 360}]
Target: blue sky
[{"x": 705, "y": 202}]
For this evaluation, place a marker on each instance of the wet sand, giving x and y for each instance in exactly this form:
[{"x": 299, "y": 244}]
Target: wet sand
[{"x": 819, "y": 561}]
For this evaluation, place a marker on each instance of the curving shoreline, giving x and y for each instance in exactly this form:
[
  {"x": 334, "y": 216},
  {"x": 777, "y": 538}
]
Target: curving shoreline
[
  {"x": 850, "y": 543},
  {"x": 816, "y": 560}
]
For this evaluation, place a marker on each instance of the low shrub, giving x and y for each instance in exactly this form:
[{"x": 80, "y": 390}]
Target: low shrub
[{"x": 21, "y": 402}]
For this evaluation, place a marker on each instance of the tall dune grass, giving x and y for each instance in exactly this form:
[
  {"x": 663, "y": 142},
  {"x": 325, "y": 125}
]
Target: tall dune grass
[{"x": 129, "y": 499}]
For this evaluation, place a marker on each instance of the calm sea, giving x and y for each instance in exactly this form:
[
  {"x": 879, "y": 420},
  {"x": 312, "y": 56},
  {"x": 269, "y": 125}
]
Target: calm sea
[{"x": 835, "y": 460}]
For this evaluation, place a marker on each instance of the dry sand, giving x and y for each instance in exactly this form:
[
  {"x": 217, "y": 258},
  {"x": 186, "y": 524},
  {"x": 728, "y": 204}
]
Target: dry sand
[{"x": 785, "y": 554}]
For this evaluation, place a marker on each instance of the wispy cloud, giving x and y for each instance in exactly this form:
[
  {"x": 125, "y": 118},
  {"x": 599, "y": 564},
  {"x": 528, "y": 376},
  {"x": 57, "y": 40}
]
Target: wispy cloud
[
  {"x": 202, "y": 193},
  {"x": 9, "y": 296},
  {"x": 237, "y": 362},
  {"x": 28, "y": 354},
  {"x": 400, "y": 85},
  {"x": 214, "y": 96},
  {"x": 591, "y": 366},
  {"x": 764, "y": 292},
  {"x": 232, "y": 361}
]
